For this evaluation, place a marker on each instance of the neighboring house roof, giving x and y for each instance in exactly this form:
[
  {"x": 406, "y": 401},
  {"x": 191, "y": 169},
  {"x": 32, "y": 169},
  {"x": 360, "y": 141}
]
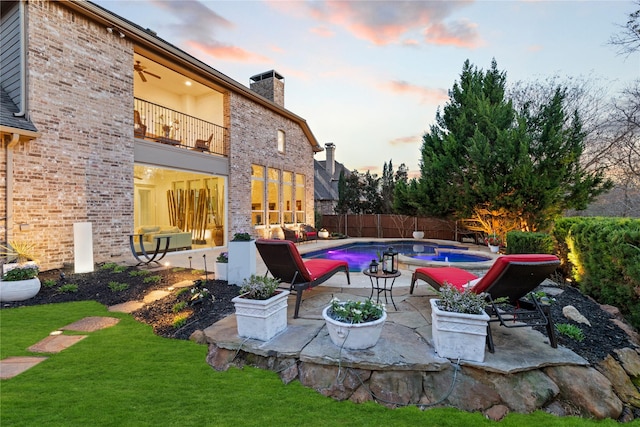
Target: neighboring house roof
[
  {"x": 326, "y": 186},
  {"x": 9, "y": 123},
  {"x": 148, "y": 41}
]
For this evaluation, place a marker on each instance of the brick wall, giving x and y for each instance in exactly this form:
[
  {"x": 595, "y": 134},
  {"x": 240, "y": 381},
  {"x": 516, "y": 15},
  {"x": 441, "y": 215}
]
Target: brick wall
[
  {"x": 80, "y": 92},
  {"x": 254, "y": 140}
]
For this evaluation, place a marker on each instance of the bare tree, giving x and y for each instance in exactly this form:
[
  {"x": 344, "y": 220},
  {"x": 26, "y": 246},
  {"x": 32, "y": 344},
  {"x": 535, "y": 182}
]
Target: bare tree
[{"x": 628, "y": 40}]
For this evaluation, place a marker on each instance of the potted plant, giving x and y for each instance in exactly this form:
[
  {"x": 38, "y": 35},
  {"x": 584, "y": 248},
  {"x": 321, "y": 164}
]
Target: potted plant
[
  {"x": 19, "y": 281},
  {"x": 242, "y": 258},
  {"x": 494, "y": 242},
  {"x": 418, "y": 234},
  {"x": 221, "y": 266},
  {"x": 261, "y": 308},
  {"x": 459, "y": 324},
  {"x": 323, "y": 233},
  {"x": 354, "y": 325}
]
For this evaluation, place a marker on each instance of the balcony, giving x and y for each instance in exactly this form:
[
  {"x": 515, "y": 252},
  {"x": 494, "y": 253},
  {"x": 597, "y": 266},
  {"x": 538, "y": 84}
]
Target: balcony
[{"x": 154, "y": 122}]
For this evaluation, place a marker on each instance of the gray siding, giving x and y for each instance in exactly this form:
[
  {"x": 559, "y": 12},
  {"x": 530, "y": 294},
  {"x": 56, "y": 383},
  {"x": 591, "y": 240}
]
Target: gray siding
[{"x": 10, "y": 52}]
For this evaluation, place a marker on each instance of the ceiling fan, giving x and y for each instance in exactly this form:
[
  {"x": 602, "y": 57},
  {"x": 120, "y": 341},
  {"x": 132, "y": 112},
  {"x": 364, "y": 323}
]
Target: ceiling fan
[{"x": 141, "y": 71}]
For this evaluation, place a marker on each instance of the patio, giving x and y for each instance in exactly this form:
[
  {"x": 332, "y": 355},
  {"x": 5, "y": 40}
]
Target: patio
[{"x": 524, "y": 374}]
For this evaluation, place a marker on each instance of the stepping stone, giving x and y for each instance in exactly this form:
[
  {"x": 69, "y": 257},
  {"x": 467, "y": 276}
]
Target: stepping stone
[
  {"x": 90, "y": 324},
  {"x": 12, "y": 366},
  {"x": 183, "y": 284},
  {"x": 126, "y": 307},
  {"x": 154, "y": 296},
  {"x": 55, "y": 343}
]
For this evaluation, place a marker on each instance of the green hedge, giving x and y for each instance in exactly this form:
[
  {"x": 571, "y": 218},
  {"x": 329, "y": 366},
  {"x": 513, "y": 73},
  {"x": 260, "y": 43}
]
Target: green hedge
[
  {"x": 519, "y": 242},
  {"x": 603, "y": 256}
]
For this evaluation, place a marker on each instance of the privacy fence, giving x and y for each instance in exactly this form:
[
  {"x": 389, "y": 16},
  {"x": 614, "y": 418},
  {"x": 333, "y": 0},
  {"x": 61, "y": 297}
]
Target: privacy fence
[{"x": 391, "y": 226}]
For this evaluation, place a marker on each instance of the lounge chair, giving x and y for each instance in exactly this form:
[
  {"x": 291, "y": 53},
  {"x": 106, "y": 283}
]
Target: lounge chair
[
  {"x": 511, "y": 276},
  {"x": 284, "y": 262},
  {"x": 291, "y": 235}
]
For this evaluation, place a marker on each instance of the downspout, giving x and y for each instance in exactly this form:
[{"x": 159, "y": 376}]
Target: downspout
[
  {"x": 23, "y": 64},
  {"x": 9, "y": 188}
]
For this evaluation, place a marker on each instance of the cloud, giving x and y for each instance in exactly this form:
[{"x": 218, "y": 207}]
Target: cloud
[
  {"x": 380, "y": 22},
  {"x": 323, "y": 32},
  {"x": 406, "y": 140},
  {"x": 426, "y": 95},
  {"x": 535, "y": 48},
  {"x": 460, "y": 34},
  {"x": 197, "y": 25},
  {"x": 227, "y": 52}
]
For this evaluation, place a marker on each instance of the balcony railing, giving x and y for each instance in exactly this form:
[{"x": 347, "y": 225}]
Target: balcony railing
[{"x": 160, "y": 124}]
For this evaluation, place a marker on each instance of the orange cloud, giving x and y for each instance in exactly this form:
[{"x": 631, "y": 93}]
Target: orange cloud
[
  {"x": 413, "y": 139},
  {"x": 380, "y": 22},
  {"x": 460, "y": 34},
  {"x": 427, "y": 95},
  {"x": 227, "y": 52},
  {"x": 323, "y": 32}
]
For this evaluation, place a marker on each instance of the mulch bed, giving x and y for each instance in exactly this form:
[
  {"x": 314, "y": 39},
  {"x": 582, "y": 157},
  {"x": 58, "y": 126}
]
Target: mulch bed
[
  {"x": 181, "y": 313},
  {"x": 198, "y": 313}
]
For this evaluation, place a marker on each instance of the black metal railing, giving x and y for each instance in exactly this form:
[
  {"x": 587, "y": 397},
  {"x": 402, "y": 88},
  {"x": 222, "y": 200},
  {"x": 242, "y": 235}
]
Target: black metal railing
[{"x": 161, "y": 124}]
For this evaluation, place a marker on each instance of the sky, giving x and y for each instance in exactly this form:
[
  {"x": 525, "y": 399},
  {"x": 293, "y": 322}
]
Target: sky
[{"x": 369, "y": 76}]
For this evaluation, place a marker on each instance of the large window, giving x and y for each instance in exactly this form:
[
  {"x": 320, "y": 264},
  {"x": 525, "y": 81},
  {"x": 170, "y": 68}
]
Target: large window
[
  {"x": 277, "y": 196},
  {"x": 273, "y": 193},
  {"x": 300, "y": 204},
  {"x": 257, "y": 195},
  {"x": 287, "y": 197},
  {"x": 170, "y": 198}
]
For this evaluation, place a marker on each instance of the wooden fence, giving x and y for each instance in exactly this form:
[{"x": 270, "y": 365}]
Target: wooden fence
[{"x": 391, "y": 226}]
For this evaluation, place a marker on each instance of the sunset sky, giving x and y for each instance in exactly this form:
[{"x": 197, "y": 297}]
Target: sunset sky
[{"x": 370, "y": 75}]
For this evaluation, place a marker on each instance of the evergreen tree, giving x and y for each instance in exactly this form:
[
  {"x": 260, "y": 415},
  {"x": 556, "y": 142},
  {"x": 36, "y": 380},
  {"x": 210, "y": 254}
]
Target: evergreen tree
[{"x": 483, "y": 155}]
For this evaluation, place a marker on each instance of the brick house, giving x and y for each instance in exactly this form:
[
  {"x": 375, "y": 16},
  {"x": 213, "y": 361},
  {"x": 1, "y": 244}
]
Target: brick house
[{"x": 104, "y": 123}]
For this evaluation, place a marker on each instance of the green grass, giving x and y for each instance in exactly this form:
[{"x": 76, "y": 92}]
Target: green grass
[{"x": 125, "y": 375}]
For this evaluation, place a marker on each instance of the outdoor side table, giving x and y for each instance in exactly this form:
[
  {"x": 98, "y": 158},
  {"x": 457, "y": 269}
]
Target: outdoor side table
[{"x": 381, "y": 284}]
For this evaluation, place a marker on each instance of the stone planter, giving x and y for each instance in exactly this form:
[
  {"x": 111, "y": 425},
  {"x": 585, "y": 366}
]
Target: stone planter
[
  {"x": 261, "y": 319},
  {"x": 221, "y": 271},
  {"x": 19, "y": 290},
  {"x": 418, "y": 234},
  {"x": 354, "y": 336},
  {"x": 323, "y": 234},
  {"x": 494, "y": 249},
  {"x": 242, "y": 261},
  {"x": 458, "y": 335}
]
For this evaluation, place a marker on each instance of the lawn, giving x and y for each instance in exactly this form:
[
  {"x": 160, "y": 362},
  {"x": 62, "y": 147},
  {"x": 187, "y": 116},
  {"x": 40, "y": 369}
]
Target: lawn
[{"x": 126, "y": 375}]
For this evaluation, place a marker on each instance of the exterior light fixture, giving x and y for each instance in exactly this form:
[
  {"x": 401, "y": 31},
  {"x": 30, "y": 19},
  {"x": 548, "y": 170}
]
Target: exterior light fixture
[
  {"x": 390, "y": 261},
  {"x": 373, "y": 267}
]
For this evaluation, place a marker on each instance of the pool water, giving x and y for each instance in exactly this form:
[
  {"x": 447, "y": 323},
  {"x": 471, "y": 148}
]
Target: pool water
[{"x": 360, "y": 254}]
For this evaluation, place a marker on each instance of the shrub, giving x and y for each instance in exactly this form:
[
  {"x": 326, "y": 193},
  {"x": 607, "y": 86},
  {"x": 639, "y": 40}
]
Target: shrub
[
  {"x": 68, "y": 288},
  {"x": 259, "y": 287},
  {"x": 117, "y": 287},
  {"x": 152, "y": 279},
  {"x": 355, "y": 311},
  {"x": 21, "y": 272},
  {"x": 519, "y": 242},
  {"x": 241, "y": 237}
]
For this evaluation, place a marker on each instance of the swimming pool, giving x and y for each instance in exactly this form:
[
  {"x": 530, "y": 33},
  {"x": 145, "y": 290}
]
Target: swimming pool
[{"x": 360, "y": 254}]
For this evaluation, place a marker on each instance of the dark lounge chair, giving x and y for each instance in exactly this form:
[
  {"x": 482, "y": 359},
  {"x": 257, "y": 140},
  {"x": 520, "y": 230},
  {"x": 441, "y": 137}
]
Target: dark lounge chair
[
  {"x": 511, "y": 276},
  {"x": 285, "y": 263}
]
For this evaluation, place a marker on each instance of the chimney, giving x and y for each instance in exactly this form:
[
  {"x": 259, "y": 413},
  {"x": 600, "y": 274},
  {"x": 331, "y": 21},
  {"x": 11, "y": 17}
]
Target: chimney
[
  {"x": 269, "y": 84},
  {"x": 330, "y": 162}
]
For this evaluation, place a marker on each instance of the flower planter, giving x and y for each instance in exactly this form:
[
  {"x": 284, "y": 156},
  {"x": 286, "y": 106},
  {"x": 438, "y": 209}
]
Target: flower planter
[
  {"x": 261, "y": 319},
  {"x": 458, "y": 335},
  {"x": 418, "y": 234},
  {"x": 494, "y": 249},
  {"x": 355, "y": 336},
  {"x": 242, "y": 261},
  {"x": 221, "y": 271},
  {"x": 323, "y": 234},
  {"x": 19, "y": 290}
]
